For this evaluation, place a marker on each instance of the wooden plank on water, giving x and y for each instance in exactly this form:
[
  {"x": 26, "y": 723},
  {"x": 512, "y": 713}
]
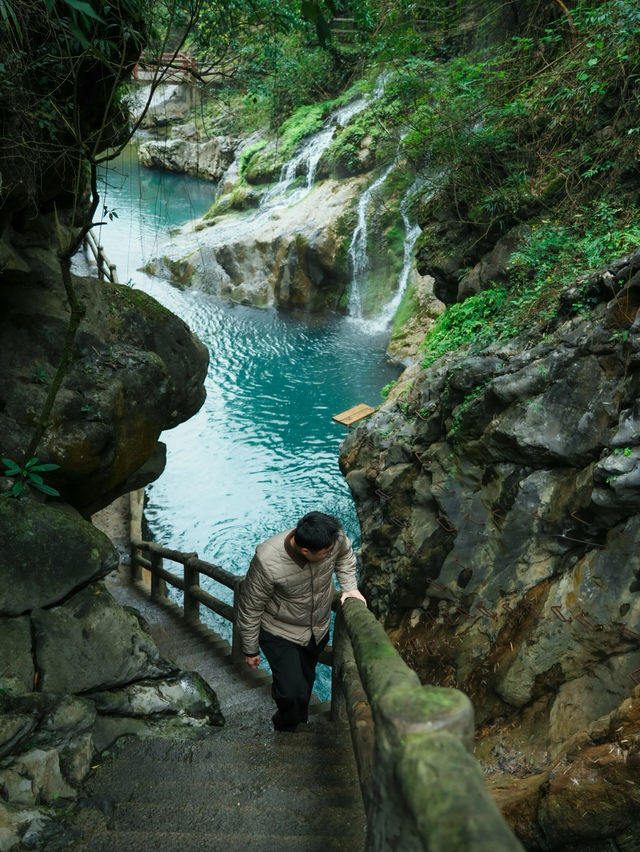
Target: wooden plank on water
[{"x": 352, "y": 415}]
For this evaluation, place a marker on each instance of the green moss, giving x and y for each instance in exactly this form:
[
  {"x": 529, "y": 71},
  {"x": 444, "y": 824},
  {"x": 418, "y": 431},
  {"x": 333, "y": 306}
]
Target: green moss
[
  {"x": 304, "y": 121},
  {"x": 247, "y": 153},
  {"x": 139, "y": 299},
  {"x": 341, "y": 157},
  {"x": 407, "y": 309}
]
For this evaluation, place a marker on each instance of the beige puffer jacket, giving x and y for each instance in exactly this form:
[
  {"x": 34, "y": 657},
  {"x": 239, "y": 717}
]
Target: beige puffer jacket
[{"x": 289, "y": 600}]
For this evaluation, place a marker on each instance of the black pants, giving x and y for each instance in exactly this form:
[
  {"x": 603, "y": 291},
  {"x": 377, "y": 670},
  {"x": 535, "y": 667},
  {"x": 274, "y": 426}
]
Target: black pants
[{"x": 294, "y": 670}]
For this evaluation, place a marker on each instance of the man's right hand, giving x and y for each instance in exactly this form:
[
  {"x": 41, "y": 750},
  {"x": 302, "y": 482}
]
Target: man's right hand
[{"x": 253, "y": 662}]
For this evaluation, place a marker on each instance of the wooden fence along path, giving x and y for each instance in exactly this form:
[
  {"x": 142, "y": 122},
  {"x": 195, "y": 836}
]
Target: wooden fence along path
[{"x": 106, "y": 270}]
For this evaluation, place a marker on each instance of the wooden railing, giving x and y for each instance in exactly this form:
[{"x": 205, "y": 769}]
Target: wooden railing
[
  {"x": 176, "y": 67},
  {"x": 188, "y": 584},
  {"x": 106, "y": 270}
]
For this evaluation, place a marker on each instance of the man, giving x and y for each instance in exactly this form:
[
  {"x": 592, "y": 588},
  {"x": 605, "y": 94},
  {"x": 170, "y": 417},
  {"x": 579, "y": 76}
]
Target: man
[{"x": 285, "y": 607}]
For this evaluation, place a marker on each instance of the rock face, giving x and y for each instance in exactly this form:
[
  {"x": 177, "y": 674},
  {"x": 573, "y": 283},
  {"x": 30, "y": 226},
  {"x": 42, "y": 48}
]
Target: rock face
[
  {"x": 288, "y": 256},
  {"x": 499, "y": 503},
  {"x": 189, "y": 154},
  {"x": 77, "y": 670}
]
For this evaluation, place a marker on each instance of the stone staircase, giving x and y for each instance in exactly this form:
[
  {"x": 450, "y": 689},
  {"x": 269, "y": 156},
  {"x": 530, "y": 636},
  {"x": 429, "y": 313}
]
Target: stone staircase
[{"x": 240, "y": 787}]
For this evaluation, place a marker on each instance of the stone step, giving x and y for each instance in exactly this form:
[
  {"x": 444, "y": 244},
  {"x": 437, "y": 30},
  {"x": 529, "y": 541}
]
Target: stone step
[
  {"x": 143, "y": 841},
  {"x": 301, "y": 769},
  {"x": 239, "y": 787},
  {"x": 213, "y": 818},
  {"x": 234, "y": 791}
]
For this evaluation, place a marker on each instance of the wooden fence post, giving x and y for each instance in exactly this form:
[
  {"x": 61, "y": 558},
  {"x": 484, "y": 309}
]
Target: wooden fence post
[
  {"x": 134, "y": 566},
  {"x": 136, "y": 502},
  {"x": 158, "y": 585},
  {"x": 190, "y": 605}
]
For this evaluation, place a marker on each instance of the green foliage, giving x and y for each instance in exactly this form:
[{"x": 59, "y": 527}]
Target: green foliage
[
  {"x": 306, "y": 120},
  {"x": 247, "y": 153},
  {"x": 385, "y": 391},
  {"x": 28, "y": 476},
  {"x": 470, "y": 322},
  {"x": 547, "y": 260}
]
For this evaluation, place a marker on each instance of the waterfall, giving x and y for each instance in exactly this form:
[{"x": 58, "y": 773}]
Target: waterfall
[
  {"x": 412, "y": 232},
  {"x": 359, "y": 258},
  {"x": 358, "y": 247},
  {"x": 309, "y": 156}
]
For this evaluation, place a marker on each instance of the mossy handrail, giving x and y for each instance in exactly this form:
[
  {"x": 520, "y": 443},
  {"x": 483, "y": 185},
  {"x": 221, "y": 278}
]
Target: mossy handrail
[{"x": 422, "y": 788}]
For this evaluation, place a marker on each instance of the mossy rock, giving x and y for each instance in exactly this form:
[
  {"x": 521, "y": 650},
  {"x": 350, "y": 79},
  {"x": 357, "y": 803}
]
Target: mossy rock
[
  {"x": 48, "y": 551},
  {"x": 262, "y": 165}
]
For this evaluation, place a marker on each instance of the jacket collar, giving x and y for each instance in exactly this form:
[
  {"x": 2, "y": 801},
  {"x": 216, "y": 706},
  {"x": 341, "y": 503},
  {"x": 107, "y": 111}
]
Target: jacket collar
[{"x": 297, "y": 558}]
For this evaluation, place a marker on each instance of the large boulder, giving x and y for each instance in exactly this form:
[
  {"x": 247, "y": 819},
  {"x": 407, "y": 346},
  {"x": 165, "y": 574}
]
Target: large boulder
[
  {"x": 290, "y": 256},
  {"x": 137, "y": 369},
  {"x": 189, "y": 154},
  {"x": 91, "y": 642},
  {"x": 46, "y": 552}
]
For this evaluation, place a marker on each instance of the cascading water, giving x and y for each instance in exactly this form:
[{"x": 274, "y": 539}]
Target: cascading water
[
  {"x": 360, "y": 261},
  {"x": 412, "y": 232},
  {"x": 358, "y": 247},
  {"x": 309, "y": 156}
]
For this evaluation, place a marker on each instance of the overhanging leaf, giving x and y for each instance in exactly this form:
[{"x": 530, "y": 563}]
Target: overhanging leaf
[
  {"x": 11, "y": 468},
  {"x": 84, "y": 9},
  {"x": 47, "y": 489}
]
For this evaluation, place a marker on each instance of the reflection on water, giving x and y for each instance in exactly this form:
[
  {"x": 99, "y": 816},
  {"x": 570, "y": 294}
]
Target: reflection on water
[{"x": 263, "y": 449}]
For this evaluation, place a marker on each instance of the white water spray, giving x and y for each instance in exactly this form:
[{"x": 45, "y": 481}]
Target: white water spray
[
  {"x": 358, "y": 247},
  {"x": 358, "y": 254}
]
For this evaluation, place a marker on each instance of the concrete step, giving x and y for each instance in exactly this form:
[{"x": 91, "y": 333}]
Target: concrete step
[
  {"x": 304, "y": 767},
  {"x": 239, "y": 792},
  {"x": 213, "y": 818},
  {"x": 239, "y": 787},
  {"x": 143, "y": 841}
]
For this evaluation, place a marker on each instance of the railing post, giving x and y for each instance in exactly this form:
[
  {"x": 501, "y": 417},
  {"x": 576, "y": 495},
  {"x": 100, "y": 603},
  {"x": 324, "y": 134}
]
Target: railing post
[
  {"x": 190, "y": 605},
  {"x": 136, "y": 502},
  {"x": 134, "y": 565},
  {"x": 158, "y": 585},
  {"x": 236, "y": 648}
]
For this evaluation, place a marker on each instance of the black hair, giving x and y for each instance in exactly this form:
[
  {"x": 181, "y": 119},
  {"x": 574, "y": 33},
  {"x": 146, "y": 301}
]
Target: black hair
[{"x": 315, "y": 531}]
